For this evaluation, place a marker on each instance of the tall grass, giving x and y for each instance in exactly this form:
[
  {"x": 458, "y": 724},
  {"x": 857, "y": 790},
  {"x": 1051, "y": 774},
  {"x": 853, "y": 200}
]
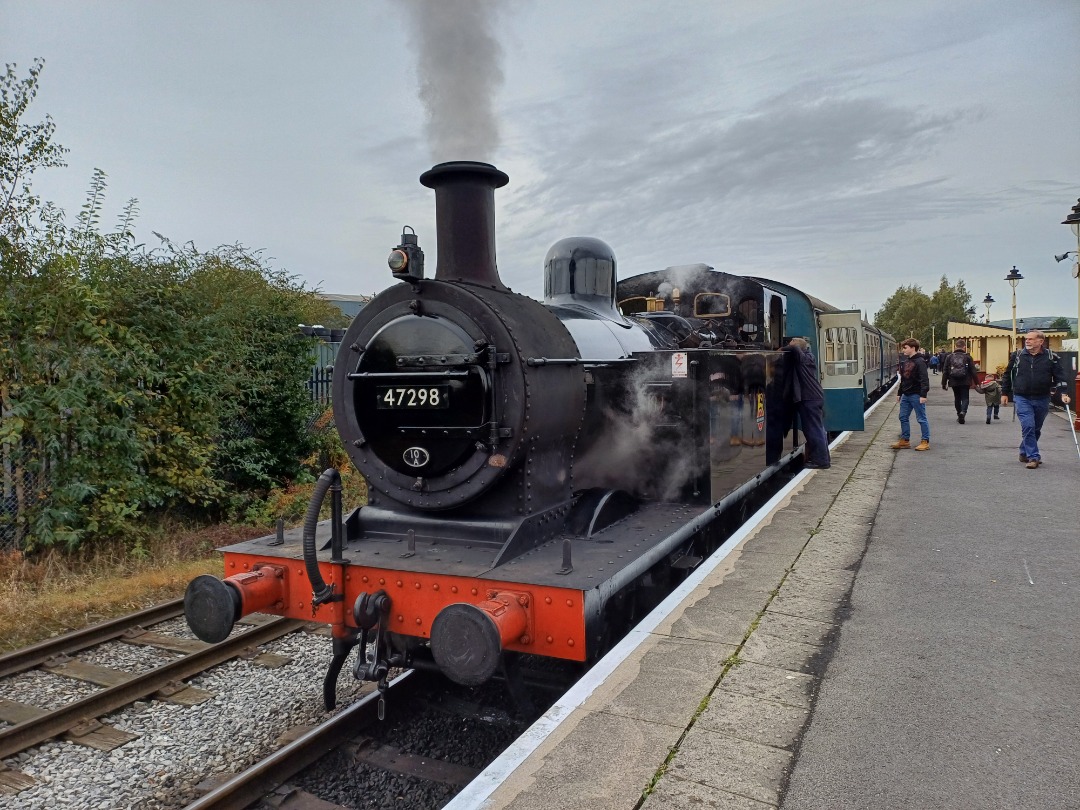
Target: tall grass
[{"x": 52, "y": 592}]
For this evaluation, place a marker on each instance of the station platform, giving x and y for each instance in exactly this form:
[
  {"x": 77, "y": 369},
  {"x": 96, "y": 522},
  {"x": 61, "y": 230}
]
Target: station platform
[{"x": 901, "y": 630}]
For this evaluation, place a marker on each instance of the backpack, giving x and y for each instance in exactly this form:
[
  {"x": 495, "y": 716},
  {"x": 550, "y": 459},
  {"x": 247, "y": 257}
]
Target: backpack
[{"x": 958, "y": 369}]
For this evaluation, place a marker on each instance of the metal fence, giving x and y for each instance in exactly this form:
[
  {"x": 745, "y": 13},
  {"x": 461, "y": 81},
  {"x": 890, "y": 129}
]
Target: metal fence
[
  {"x": 18, "y": 487},
  {"x": 320, "y": 385}
]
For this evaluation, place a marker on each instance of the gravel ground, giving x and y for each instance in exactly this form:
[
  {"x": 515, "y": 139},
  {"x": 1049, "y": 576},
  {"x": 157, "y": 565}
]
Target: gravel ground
[{"x": 178, "y": 746}]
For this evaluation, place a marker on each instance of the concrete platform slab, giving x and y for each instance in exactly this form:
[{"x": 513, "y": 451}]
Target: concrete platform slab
[
  {"x": 670, "y": 681},
  {"x": 678, "y": 794},
  {"x": 770, "y": 683},
  {"x": 750, "y": 718},
  {"x": 734, "y": 765},
  {"x": 795, "y": 628},
  {"x": 763, "y": 648}
]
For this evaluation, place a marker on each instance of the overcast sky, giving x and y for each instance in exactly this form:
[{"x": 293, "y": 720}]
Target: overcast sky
[{"x": 844, "y": 146}]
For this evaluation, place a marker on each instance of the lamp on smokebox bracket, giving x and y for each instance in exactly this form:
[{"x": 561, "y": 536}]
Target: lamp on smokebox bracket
[{"x": 407, "y": 259}]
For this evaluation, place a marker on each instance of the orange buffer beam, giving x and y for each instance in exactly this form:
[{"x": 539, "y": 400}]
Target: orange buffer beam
[{"x": 555, "y": 617}]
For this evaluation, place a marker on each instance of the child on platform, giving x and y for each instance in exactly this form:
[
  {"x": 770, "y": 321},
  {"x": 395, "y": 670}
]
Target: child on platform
[{"x": 991, "y": 389}]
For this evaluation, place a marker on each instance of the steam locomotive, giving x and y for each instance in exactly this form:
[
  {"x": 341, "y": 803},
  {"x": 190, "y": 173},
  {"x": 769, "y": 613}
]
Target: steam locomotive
[{"x": 540, "y": 472}]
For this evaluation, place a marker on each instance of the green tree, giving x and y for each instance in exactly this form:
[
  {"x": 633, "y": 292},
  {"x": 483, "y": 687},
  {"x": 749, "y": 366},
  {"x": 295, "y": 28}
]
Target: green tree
[
  {"x": 24, "y": 148},
  {"x": 1062, "y": 323},
  {"x": 909, "y": 312},
  {"x": 904, "y": 313}
]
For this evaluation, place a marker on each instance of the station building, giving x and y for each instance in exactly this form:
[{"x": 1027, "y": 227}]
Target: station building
[{"x": 990, "y": 345}]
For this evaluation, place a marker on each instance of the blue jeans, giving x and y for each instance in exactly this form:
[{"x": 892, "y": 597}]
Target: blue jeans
[
  {"x": 909, "y": 403},
  {"x": 1031, "y": 411}
]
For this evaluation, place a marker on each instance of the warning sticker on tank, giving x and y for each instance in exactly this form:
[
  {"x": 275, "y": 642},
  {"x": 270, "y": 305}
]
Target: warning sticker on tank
[{"x": 678, "y": 364}]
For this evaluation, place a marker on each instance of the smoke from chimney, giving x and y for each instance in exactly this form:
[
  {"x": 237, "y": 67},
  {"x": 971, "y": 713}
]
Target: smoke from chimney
[{"x": 459, "y": 70}]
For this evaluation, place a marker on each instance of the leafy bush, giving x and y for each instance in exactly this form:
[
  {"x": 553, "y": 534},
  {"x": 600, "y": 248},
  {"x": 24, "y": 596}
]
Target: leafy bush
[{"x": 134, "y": 380}]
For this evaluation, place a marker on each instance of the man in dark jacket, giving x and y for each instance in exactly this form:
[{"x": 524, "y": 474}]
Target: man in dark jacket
[
  {"x": 914, "y": 388},
  {"x": 959, "y": 372},
  {"x": 1033, "y": 373},
  {"x": 803, "y": 390}
]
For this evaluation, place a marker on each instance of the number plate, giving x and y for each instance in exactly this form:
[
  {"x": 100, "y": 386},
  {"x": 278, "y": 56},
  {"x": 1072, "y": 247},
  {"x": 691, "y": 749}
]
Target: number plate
[{"x": 412, "y": 397}]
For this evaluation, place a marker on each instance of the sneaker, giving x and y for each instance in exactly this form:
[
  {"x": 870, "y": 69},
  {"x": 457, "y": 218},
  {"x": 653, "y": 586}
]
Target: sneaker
[
  {"x": 1033, "y": 464},
  {"x": 988, "y": 420},
  {"x": 960, "y": 418},
  {"x": 900, "y": 445},
  {"x": 996, "y": 416},
  {"x": 812, "y": 466},
  {"x": 1023, "y": 458},
  {"x": 923, "y": 445}
]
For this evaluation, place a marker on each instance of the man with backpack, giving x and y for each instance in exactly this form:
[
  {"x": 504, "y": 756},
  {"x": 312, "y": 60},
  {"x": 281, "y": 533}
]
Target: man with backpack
[
  {"x": 1033, "y": 373},
  {"x": 959, "y": 372}
]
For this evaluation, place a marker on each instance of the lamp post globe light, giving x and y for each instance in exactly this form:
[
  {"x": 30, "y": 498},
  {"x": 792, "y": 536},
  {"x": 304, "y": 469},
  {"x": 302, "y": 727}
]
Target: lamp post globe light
[
  {"x": 1073, "y": 221},
  {"x": 1013, "y": 278},
  {"x": 988, "y": 302}
]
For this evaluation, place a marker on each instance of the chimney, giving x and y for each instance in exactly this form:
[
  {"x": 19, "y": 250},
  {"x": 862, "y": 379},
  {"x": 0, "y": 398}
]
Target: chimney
[{"x": 465, "y": 220}]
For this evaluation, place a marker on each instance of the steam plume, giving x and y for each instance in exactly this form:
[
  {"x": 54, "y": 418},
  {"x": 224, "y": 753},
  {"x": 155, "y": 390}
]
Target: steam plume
[{"x": 459, "y": 69}]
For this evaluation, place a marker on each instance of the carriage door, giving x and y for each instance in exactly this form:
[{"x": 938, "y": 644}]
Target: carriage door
[{"x": 841, "y": 369}]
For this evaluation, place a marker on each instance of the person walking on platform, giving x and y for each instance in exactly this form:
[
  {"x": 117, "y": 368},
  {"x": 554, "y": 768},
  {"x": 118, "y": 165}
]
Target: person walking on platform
[
  {"x": 1032, "y": 374},
  {"x": 914, "y": 388},
  {"x": 802, "y": 388},
  {"x": 991, "y": 389},
  {"x": 959, "y": 372}
]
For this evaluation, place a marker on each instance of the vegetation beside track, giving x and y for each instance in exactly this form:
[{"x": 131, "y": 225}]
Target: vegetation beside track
[{"x": 54, "y": 591}]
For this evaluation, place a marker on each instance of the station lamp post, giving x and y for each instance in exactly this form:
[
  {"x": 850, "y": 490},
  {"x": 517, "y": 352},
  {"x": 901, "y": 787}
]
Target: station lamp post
[
  {"x": 988, "y": 302},
  {"x": 1073, "y": 221},
  {"x": 1013, "y": 278}
]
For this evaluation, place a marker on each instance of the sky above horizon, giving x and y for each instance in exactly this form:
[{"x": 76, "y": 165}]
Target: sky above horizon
[{"x": 844, "y": 147}]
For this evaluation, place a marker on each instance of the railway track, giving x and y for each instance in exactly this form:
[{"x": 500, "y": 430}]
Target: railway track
[
  {"x": 78, "y": 721},
  {"x": 70, "y": 643},
  {"x": 271, "y": 773},
  {"x": 407, "y": 751}
]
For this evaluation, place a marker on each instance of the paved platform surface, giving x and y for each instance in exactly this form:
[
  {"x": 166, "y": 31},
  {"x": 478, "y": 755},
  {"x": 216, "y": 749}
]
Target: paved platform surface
[{"x": 901, "y": 633}]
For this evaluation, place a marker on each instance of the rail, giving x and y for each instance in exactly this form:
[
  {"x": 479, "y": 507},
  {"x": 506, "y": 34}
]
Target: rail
[{"x": 35, "y": 730}]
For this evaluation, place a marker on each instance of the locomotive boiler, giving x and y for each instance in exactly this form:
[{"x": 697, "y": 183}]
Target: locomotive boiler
[{"x": 539, "y": 473}]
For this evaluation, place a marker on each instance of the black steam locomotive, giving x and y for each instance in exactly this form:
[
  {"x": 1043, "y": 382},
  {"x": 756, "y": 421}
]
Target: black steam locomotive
[{"x": 540, "y": 473}]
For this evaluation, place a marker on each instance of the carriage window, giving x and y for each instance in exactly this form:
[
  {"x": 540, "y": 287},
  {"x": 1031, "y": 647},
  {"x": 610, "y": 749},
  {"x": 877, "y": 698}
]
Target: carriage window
[
  {"x": 712, "y": 305},
  {"x": 841, "y": 351}
]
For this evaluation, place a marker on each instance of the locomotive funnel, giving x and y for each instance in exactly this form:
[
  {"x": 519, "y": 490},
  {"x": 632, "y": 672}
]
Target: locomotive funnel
[{"x": 465, "y": 220}]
